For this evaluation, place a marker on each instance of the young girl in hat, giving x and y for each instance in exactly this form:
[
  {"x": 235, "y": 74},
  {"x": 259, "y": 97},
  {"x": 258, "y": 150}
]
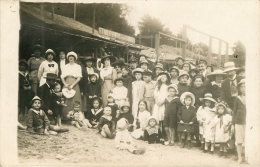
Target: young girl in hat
[
  {"x": 160, "y": 93},
  {"x": 114, "y": 108},
  {"x": 136, "y": 86},
  {"x": 239, "y": 118},
  {"x": 25, "y": 93},
  {"x": 221, "y": 123},
  {"x": 152, "y": 132},
  {"x": 140, "y": 121},
  {"x": 216, "y": 79},
  {"x": 183, "y": 82},
  {"x": 120, "y": 92},
  {"x": 186, "y": 117},
  {"x": 92, "y": 90},
  {"x": 48, "y": 66},
  {"x": 174, "y": 72},
  {"x": 126, "y": 113},
  {"x": 172, "y": 104},
  {"x": 157, "y": 69},
  {"x": 207, "y": 103}
]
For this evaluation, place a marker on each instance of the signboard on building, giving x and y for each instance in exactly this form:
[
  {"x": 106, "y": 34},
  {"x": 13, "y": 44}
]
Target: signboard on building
[{"x": 116, "y": 35}]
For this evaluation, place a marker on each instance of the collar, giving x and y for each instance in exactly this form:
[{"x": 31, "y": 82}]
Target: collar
[
  {"x": 204, "y": 72},
  {"x": 108, "y": 117},
  {"x": 23, "y": 74},
  {"x": 187, "y": 107},
  {"x": 48, "y": 85},
  {"x": 110, "y": 103},
  {"x": 96, "y": 113},
  {"x": 175, "y": 97},
  {"x": 37, "y": 112},
  {"x": 62, "y": 60}
]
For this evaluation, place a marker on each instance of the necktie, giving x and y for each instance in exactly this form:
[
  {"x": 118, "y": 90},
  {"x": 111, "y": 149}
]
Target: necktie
[
  {"x": 233, "y": 88},
  {"x": 51, "y": 65}
]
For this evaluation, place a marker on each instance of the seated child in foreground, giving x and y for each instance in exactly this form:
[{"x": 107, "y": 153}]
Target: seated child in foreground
[
  {"x": 152, "y": 133},
  {"x": 77, "y": 116},
  {"x": 127, "y": 114},
  {"x": 124, "y": 140},
  {"x": 38, "y": 123},
  {"x": 95, "y": 113},
  {"x": 105, "y": 123}
]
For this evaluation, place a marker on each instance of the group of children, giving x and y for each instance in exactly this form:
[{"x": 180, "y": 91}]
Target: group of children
[{"x": 180, "y": 104}]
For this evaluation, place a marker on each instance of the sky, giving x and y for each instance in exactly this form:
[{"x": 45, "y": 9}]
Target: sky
[{"x": 227, "y": 20}]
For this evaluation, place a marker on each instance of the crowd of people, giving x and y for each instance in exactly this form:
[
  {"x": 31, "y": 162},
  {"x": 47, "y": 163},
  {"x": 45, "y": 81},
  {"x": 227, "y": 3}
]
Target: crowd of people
[{"x": 161, "y": 103}]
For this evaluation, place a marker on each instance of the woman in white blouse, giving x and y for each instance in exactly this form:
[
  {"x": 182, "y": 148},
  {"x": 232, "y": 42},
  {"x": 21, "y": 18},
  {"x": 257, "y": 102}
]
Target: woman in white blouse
[
  {"x": 70, "y": 77},
  {"x": 47, "y": 66},
  {"x": 107, "y": 75}
]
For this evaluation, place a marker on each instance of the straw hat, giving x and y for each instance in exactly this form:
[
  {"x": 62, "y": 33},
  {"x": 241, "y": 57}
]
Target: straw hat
[
  {"x": 220, "y": 104},
  {"x": 143, "y": 62},
  {"x": 212, "y": 75},
  {"x": 119, "y": 79},
  {"x": 126, "y": 104},
  {"x": 72, "y": 54},
  {"x": 68, "y": 93},
  {"x": 208, "y": 96},
  {"x": 50, "y": 51},
  {"x": 164, "y": 73},
  {"x": 158, "y": 65},
  {"x": 182, "y": 72},
  {"x": 229, "y": 66},
  {"x": 137, "y": 70},
  {"x": 151, "y": 117},
  {"x": 187, "y": 94},
  {"x": 175, "y": 87},
  {"x": 176, "y": 68},
  {"x": 201, "y": 61},
  {"x": 111, "y": 58},
  {"x": 91, "y": 74},
  {"x": 36, "y": 98}
]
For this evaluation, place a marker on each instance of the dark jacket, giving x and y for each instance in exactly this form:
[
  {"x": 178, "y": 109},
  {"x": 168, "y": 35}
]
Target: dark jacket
[
  {"x": 153, "y": 138},
  {"x": 183, "y": 88},
  {"x": 239, "y": 112},
  {"x": 94, "y": 116},
  {"x": 187, "y": 116},
  {"x": 37, "y": 120},
  {"x": 128, "y": 116},
  {"x": 225, "y": 94},
  {"x": 85, "y": 78},
  {"x": 45, "y": 93},
  {"x": 199, "y": 92},
  {"x": 24, "y": 96}
]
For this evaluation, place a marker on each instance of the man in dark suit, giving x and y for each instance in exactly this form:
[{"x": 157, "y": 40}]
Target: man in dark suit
[
  {"x": 45, "y": 93},
  {"x": 228, "y": 86}
]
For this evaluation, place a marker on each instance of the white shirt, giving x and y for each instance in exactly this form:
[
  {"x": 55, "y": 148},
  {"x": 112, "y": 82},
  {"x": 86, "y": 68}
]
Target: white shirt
[
  {"x": 45, "y": 68},
  {"x": 120, "y": 93},
  {"x": 90, "y": 70},
  {"x": 71, "y": 70}
]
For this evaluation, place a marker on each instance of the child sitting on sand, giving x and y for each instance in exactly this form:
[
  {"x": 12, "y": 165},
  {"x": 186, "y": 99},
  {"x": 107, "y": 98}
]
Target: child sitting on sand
[
  {"x": 105, "y": 123},
  {"x": 152, "y": 133},
  {"x": 38, "y": 123},
  {"x": 95, "y": 113},
  {"x": 77, "y": 116}
]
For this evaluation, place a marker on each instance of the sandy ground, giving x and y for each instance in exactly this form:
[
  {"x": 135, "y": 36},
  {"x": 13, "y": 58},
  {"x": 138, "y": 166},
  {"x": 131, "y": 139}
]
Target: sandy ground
[{"x": 89, "y": 148}]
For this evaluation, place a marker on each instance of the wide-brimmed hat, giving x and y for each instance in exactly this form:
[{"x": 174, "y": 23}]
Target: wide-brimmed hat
[
  {"x": 177, "y": 59},
  {"x": 182, "y": 72},
  {"x": 176, "y": 68},
  {"x": 212, "y": 75},
  {"x": 132, "y": 59},
  {"x": 119, "y": 63},
  {"x": 229, "y": 66},
  {"x": 23, "y": 61},
  {"x": 187, "y": 94},
  {"x": 91, "y": 74},
  {"x": 241, "y": 82},
  {"x": 164, "y": 73},
  {"x": 111, "y": 58},
  {"x": 137, "y": 70},
  {"x": 48, "y": 51},
  {"x": 240, "y": 69},
  {"x": 151, "y": 117},
  {"x": 36, "y": 98},
  {"x": 147, "y": 72},
  {"x": 51, "y": 76},
  {"x": 37, "y": 46},
  {"x": 143, "y": 62},
  {"x": 201, "y": 61},
  {"x": 126, "y": 104},
  {"x": 119, "y": 79},
  {"x": 72, "y": 54},
  {"x": 220, "y": 104},
  {"x": 175, "y": 87},
  {"x": 158, "y": 65},
  {"x": 193, "y": 69},
  {"x": 186, "y": 63},
  {"x": 208, "y": 96},
  {"x": 68, "y": 93},
  {"x": 90, "y": 58}
]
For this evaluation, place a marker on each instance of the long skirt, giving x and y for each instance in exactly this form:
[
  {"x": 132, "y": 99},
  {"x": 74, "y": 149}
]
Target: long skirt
[
  {"x": 105, "y": 88},
  {"x": 77, "y": 97}
]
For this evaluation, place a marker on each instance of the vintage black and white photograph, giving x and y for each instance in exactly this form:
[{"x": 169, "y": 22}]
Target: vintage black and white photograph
[{"x": 153, "y": 83}]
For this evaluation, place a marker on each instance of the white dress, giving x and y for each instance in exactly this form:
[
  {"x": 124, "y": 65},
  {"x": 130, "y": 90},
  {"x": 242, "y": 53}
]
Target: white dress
[
  {"x": 120, "y": 95},
  {"x": 160, "y": 95},
  {"x": 209, "y": 132},
  {"x": 142, "y": 119},
  {"x": 202, "y": 114},
  {"x": 47, "y": 67},
  {"x": 220, "y": 135},
  {"x": 136, "y": 85}
]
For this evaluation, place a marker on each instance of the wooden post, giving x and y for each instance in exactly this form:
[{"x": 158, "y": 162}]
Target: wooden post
[
  {"x": 226, "y": 56},
  {"x": 209, "y": 52},
  {"x": 157, "y": 44},
  {"x": 219, "y": 53},
  {"x": 75, "y": 8},
  {"x": 184, "y": 44}
]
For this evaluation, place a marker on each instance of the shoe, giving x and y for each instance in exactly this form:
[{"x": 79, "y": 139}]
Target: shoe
[
  {"x": 225, "y": 154},
  {"x": 202, "y": 146},
  {"x": 220, "y": 153}
]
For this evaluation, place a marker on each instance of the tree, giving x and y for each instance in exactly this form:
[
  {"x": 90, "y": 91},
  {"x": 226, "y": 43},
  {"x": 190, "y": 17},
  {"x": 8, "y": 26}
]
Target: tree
[{"x": 239, "y": 54}]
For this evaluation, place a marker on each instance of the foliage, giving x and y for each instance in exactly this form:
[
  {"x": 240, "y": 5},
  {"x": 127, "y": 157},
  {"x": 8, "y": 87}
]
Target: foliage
[{"x": 239, "y": 54}]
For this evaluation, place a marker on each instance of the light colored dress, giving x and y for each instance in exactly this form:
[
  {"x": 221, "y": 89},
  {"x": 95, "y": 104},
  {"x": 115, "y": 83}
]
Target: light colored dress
[
  {"x": 108, "y": 75},
  {"x": 120, "y": 95},
  {"x": 160, "y": 95},
  {"x": 47, "y": 67},
  {"x": 136, "y": 85},
  {"x": 142, "y": 120},
  {"x": 70, "y": 73},
  {"x": 221, "y": 124},
  {"x": 202, "y": 114},
  {"x": 209, "y": 132}
]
